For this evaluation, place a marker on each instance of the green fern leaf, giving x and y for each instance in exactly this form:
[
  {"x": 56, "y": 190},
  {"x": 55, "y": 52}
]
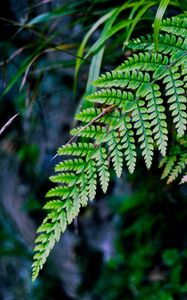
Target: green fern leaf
[
  {"x": 102, "y": 164},
  {"x": 175, "y": 25},
  {"x": 66, "y": 178},
  {"x": 128, "y": 143},
  {"x": 60, "y": 191},
  {"x": 144, "y": 62},
  {"x": 178, "y": 168},
  {"x": 91, "y": 173},
  {"x": 131, "y": 80},
  {"x": 142, "y": 125},
  {"x": 91, "y": 131},
  {"x": 80, "y": 149},
  {"x": 70, "y": 165},
  {"x": 177, "y": 101},
  {"x": 143, "y": 96},
  {"x": 157, "y": 118},
  {"x": 115, "y": 149},
  {"x": 121, "y": 99},
  {"x": 168, "y": 166}
]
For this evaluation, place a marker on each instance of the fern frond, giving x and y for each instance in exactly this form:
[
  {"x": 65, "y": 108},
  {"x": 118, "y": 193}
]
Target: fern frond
[
  {"x": 54, "y": 204},
  {"x": 157, "y": 118},
  {"x": 80, "y": 149},
  {"x": 131, "y": 80},
  {"x": 142, "y": 125},
  {"x": 128, "y": 144},
  {"x": 144, "y": 62},
  {"x": 121, "y": 99},
  {"x": 143, "y": 96},
  {"x": 177, "y": 101},
  {"x": 116, "y": 152},
  {"x": 88, "y": 114},
  {"x": 69, "y": 178},
  {"x": 91, "y": 176},
  {"x": 181, "y": 164},
  {"x": 50, "y": 232},
  {"x": 176, "y": 162},
  {"x": 169, "y": 163},
  {"x": 98, "y": 115},
  {"x": 102, "y": 165},
  {"x": 167, "y": 44},
  {"x": 175, "y": 25},
  {"x": 121, "y": 143},
  {"x": 59, "y": 191},
  {"x": 91, "y": 131},
  {"x": 70, "y": 165}
]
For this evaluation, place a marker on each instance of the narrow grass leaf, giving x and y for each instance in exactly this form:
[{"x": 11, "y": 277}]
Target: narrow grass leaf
[{"x": 158, "y": 19}]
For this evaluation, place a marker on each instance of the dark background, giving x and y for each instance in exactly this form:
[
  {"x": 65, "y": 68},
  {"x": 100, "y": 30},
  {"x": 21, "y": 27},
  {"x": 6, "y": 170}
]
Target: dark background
[{"x": 130, "y": 243}]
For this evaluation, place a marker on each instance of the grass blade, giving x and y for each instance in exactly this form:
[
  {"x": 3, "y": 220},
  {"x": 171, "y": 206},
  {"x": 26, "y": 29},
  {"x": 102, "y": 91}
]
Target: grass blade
[
  {"x": 158, "y": 19},
  {"x": 81, "y": 49},
  {"x": 62, "y": 11},
  {"x": 107, "y": 35},
  {"x": 136, "y": 19}
]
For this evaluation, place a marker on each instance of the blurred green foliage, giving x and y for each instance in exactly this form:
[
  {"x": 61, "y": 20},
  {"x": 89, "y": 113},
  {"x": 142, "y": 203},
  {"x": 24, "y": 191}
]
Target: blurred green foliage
[{"x": 150, "y": 260}]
